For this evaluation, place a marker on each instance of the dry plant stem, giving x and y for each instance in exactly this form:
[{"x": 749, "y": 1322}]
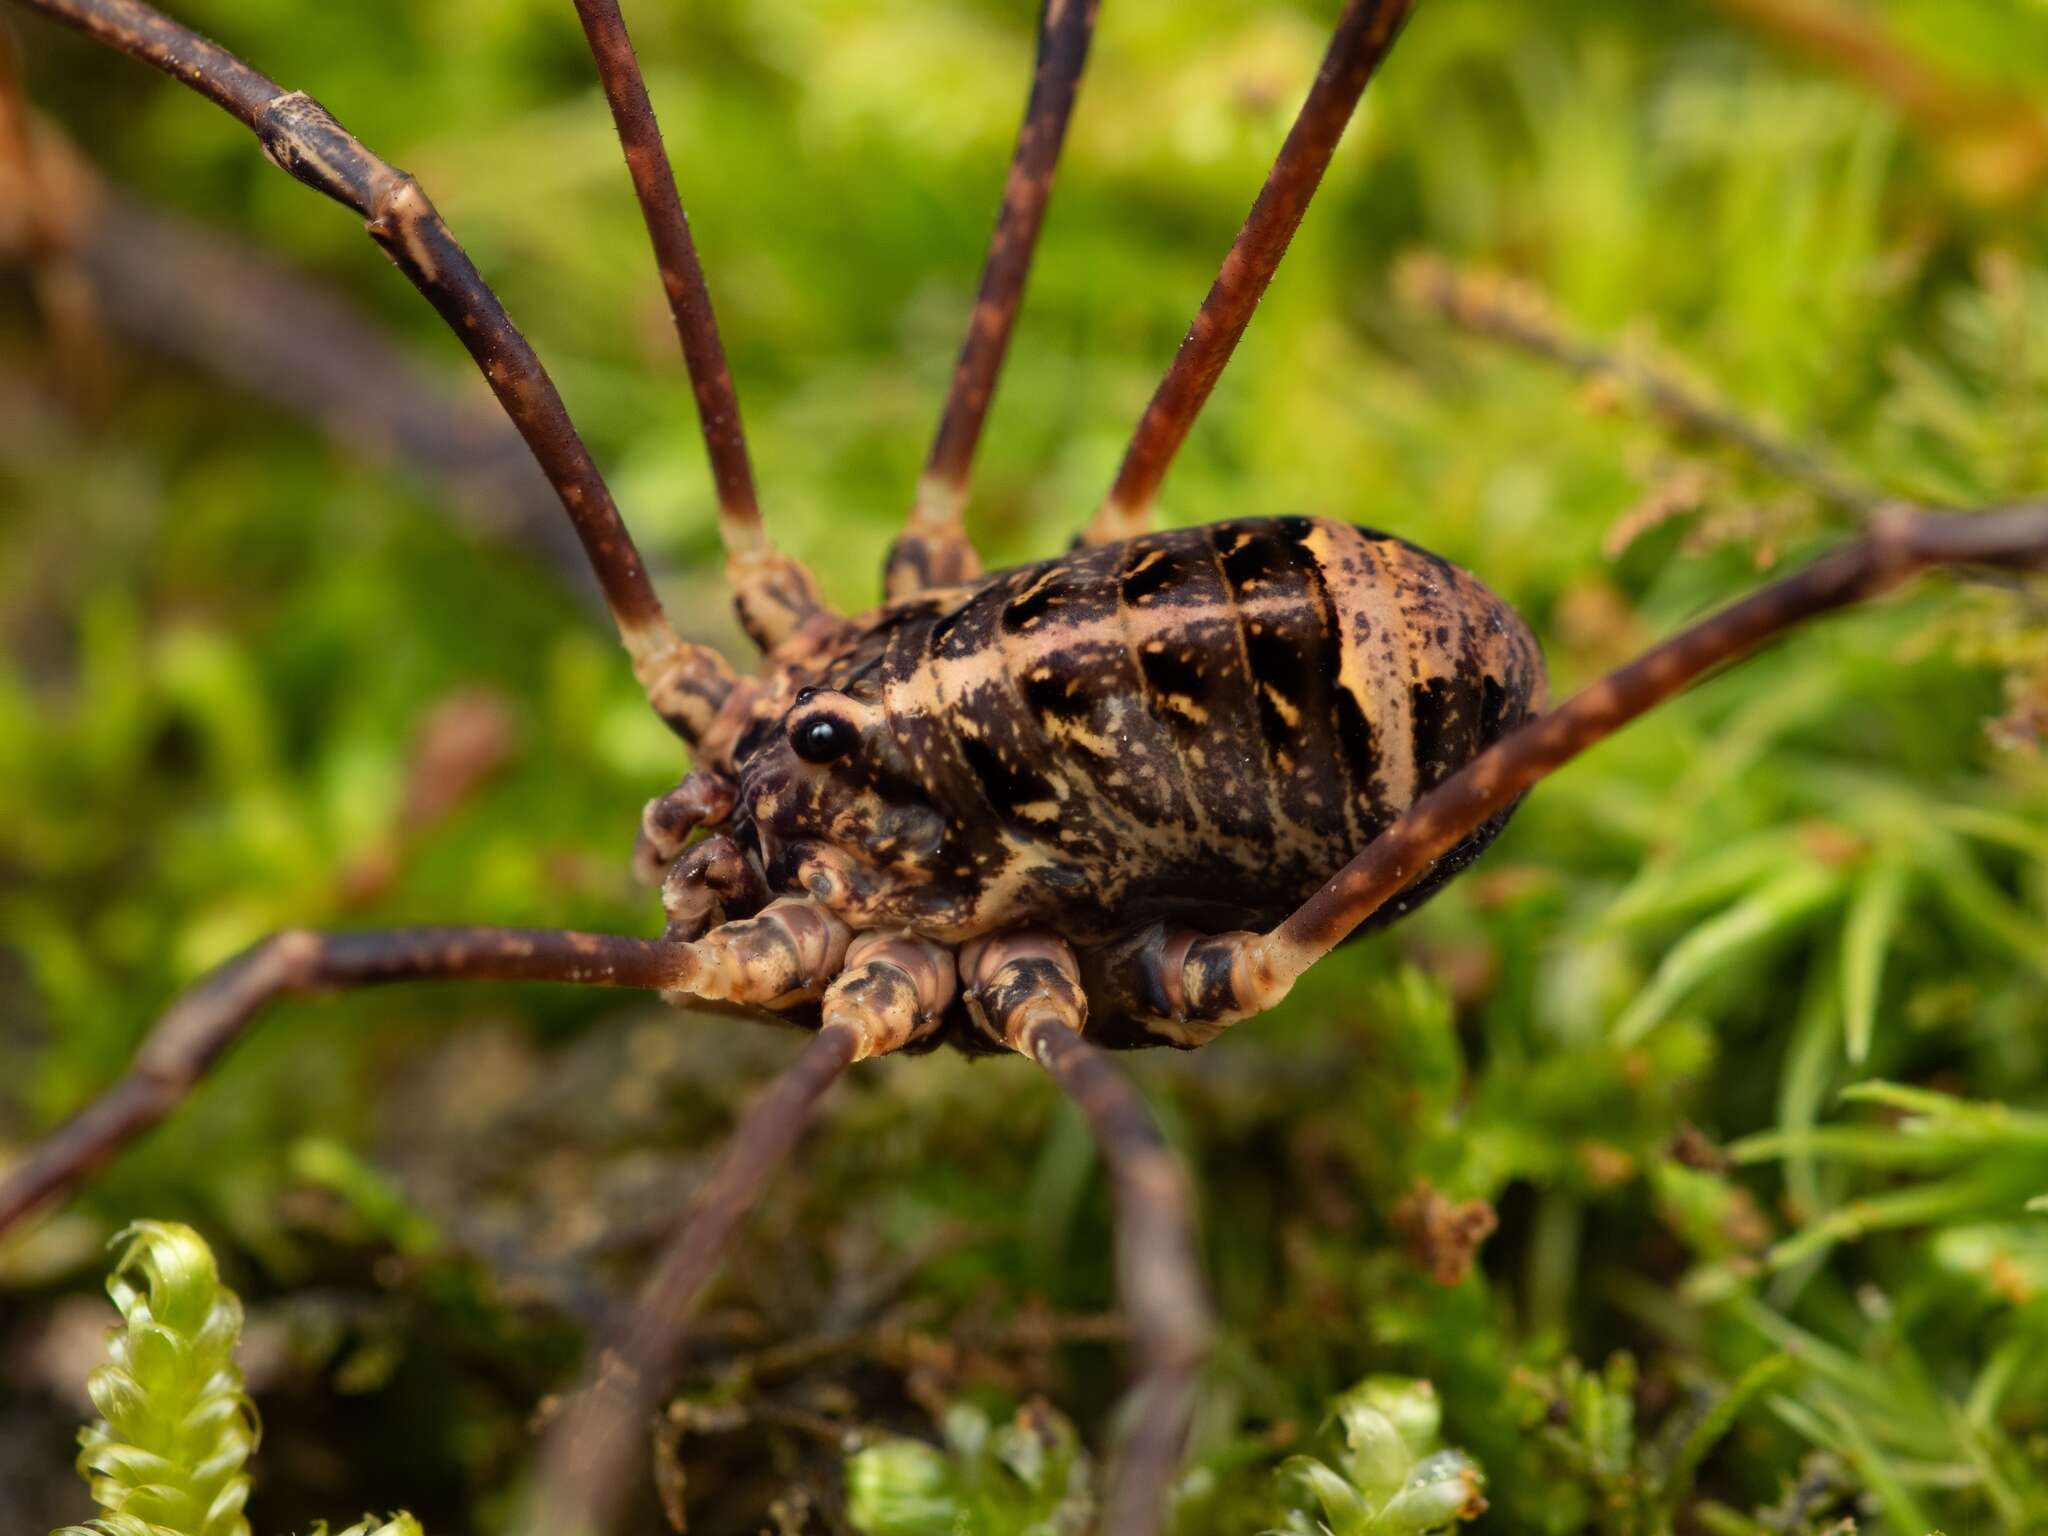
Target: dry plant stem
[
  {"x": 752, "y": 560},
  {"x": 1997, "y": 138},
  {"x": 48, "y": 246},
  {"x": 302, "y": 138},
  {"x": 1159, "y": 1274},
  {"x": 201, "y": 1025},
  {"x": 1364, "y": 34},
  {"x": 935, "y": 551},
  {"x": 292, "y": 346},
  {"x": 1900, "y": 545},
  {"x": 587, "y": 1465},
  {"x": 1499, "y": 310},
  {"x": 194, "y": 294}
]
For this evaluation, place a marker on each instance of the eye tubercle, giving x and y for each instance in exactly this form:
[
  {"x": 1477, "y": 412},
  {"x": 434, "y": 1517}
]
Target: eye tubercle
[{"x": 823, "y": 737}]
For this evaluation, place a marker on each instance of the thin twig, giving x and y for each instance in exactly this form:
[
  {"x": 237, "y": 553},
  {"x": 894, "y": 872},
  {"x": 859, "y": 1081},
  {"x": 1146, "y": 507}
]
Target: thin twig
[
  {"x": 586, "y": 1464},
  {"x": 1364, "y": 34},
  {"x": 1995, "y": 139},
  {"x": 1515, "y": 315},
  {"x": 197, "y": 295}
]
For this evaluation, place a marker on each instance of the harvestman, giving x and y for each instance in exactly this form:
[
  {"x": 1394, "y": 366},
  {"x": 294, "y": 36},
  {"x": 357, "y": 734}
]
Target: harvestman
[{"x": 875, "y": 987}]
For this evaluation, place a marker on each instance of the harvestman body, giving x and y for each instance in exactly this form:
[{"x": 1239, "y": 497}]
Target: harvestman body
[{"x": 996, "y": 811}]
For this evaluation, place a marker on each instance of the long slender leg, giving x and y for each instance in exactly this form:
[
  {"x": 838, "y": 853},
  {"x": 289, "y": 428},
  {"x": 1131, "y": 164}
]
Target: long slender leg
[
  {"x": 934, "y": 550},
  {"x": 201, "y": 1025},
  {"x": 893, "y": 991},
  {"x": 1025, "y": 989},
  {"x": 686, "y": 682},
  {"x": 783, "y": 955},
  {"x": 1194, "y": 985},
  {"x": 774, "y": 594},
  {"x": 1364, "y": 34}
]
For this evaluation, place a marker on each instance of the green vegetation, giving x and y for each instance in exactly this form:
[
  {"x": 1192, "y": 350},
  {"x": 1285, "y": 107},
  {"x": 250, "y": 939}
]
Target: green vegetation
[
  {"x": 168, "y": 1455},
  {"x": 1741, "y": 1031}
]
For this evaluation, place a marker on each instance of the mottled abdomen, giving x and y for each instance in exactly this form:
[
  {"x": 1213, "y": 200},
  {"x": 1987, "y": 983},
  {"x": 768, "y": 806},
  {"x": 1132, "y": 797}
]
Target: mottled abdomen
[{"x": 1200, "y": 725}]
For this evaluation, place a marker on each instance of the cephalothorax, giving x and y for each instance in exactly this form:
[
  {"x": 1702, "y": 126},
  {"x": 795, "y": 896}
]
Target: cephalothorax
[{"x": 1126, "y": 796}]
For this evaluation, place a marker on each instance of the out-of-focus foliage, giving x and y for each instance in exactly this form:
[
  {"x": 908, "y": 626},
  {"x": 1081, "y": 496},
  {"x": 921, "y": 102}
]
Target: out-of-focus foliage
[
  {"x": 242, "y": 655},
  {"x": 1025, "y": 1478}
]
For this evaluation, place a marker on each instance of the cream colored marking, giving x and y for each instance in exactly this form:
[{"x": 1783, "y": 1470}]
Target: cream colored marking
[
  {"x": 1284, "y": 707},
  {"x": 1369, "y": 668}
]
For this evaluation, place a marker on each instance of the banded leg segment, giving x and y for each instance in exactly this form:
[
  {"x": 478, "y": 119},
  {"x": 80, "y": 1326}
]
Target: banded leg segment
[
  {"x": 687, "y": 682},
  {"x": 775, "y": 595},
  {"x": 1195, "y": 986},
  {"x": 894, "y": 990},
  {"x": 1365, "y": 32},
  {"x": 203, "y": 1024},
  {"x": 1025, "y": 990},
  {"x": 934, "y": 550}
]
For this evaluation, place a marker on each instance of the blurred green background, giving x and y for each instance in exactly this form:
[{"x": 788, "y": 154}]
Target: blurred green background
[{"x": 274, "y": 656}]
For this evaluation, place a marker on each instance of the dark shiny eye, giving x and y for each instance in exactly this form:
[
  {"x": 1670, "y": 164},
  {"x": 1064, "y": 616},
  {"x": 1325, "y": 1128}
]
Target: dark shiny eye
[{"x": 824, "y": 738}]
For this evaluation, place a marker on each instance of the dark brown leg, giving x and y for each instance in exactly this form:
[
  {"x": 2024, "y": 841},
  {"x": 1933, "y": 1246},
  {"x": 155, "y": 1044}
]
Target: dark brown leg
[
  {"x": 1159, "y": 1272},
  {"x": 793, "y": 948},
  {"x": 687, "y": 682},
  {"x": 1217, "y": 980},
  {"x": 892, "y": 991},
  {"x": 934, "y": 551},
  {"x": 202, "y": 1025},
  {"x": 775, "y": 595},
  {"x": 1364, "y": 34},
  {"x": 1025, "y": 990}
]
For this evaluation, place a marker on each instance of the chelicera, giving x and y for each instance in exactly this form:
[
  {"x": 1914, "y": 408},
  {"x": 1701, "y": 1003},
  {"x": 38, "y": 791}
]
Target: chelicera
[{"x": 1124, "y": 797}]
